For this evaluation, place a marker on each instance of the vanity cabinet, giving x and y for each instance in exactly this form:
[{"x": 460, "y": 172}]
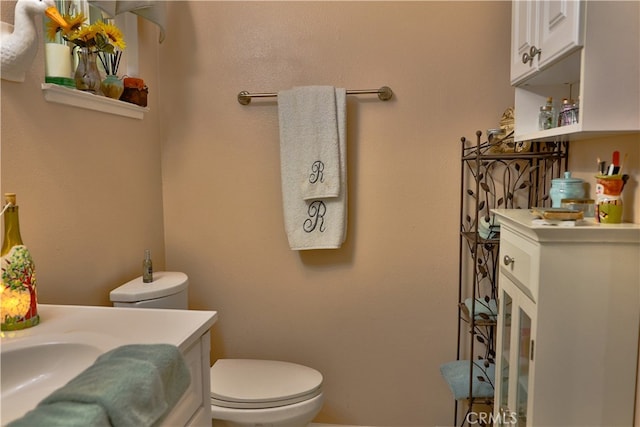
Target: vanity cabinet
[
  {"x": 589, "y": 54},
  {"x": 568, "y": 323},
  {"x": 542, "y": 32},
  {"x": 69, "y": 339},
  {"x": 194, "y": 407}
]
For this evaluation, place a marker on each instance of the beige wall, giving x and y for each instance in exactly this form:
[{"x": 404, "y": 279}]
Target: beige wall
[
  {"x": 378, "y": 316},
  {"x": 583, "y": 159},
  {"x": 88, "y": 184}
]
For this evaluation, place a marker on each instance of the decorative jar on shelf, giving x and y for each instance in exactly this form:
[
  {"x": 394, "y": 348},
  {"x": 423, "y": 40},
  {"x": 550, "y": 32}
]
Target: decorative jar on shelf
[
  {"x": 87, "y": 76},
  {"x": 566, "y": 188},
  {"x": 135, "y": 91},
  {"x": 112, "y": 86},
  {"x": 547, "y": 118}
]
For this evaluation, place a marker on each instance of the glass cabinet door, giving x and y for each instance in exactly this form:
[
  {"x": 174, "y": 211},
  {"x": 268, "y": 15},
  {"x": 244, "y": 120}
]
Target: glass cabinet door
[
  {"x": 506, "y": 305},
  {"x": 516, "y": 325},
  {"x": 524, "y": 350}
]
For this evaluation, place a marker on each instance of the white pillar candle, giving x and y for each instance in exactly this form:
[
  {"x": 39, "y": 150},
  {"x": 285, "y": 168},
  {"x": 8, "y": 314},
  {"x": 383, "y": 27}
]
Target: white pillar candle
[{"x": 57, "y": 60}]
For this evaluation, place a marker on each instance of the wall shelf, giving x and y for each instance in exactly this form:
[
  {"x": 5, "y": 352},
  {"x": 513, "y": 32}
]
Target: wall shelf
[{"x": 76, "y": 98}]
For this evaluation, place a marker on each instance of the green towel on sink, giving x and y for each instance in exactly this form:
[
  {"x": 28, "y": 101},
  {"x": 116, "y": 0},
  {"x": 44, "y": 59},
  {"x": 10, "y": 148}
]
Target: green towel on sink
[{"x": 130, "y": 386}]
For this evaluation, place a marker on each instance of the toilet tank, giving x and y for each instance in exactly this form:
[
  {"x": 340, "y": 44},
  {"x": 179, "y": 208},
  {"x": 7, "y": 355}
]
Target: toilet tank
[{"x": 169, "y": 289}]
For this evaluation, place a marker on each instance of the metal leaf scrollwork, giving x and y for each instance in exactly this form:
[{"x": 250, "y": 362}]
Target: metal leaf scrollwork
[
  {"x": 494, "y": 179},
  {"x": 482, "y": 270}
]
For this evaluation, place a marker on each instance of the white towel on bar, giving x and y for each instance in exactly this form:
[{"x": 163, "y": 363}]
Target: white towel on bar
[
  {"x": 309, "y": 129},
  {"x": 316, "y": 223}
]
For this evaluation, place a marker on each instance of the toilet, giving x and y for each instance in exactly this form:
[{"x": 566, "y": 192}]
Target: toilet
[{"x": 244, "y": 392}]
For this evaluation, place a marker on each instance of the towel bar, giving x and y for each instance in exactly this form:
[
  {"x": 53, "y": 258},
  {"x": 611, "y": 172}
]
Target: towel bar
[{"x": 384, "y": 94}]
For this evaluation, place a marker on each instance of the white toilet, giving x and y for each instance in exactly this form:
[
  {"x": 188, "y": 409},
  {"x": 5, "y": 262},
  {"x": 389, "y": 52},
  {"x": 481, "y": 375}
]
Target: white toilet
[{"x": 244, "y": 392}]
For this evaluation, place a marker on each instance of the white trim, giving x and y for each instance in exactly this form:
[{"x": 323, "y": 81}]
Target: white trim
[{"x": 77, "y": 98}]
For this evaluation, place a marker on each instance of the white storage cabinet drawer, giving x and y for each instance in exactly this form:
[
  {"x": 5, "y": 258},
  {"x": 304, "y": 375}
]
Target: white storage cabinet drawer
[{"x": 519, "y": 259}]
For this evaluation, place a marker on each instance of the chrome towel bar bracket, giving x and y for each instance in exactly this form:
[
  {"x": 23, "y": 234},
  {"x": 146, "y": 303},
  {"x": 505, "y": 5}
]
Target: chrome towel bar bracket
[{"x": 384, "y": 94}]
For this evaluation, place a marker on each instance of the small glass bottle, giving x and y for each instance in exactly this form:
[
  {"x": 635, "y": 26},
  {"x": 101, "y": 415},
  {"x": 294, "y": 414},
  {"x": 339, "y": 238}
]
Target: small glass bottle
[
  {"x": 18, "y": 300},
  {"x": 547, "y": 119},
  {"x": 147, "y": 267},
  {"x": 567, "y": 114},
  {"x": 562, "y": 115}
]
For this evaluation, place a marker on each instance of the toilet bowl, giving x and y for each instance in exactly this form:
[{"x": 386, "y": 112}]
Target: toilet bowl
[{"x": 244, "y": 392}]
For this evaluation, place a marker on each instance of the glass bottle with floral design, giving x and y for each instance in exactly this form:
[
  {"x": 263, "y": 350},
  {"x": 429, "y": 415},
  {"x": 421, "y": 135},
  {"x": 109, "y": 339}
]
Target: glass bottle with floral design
[{"x": 18, "y": 301}]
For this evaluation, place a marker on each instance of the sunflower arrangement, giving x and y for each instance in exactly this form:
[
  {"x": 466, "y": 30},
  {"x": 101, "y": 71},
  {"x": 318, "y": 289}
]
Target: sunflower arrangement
[{"x": 103, "y": 38}]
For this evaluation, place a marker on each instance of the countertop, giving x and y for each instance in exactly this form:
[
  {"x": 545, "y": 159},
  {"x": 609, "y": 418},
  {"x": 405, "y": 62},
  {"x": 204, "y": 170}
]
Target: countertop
[{"x": 587, "y": 230}]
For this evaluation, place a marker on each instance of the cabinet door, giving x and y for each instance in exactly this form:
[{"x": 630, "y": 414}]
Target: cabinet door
[
  {"x": 503, "y": 344},
  {"x": 559, "y": 29},
  {"x": 523, "y": 38},
  {"x": 515, "y": 358},
  {"x": 555, "y": 27}
]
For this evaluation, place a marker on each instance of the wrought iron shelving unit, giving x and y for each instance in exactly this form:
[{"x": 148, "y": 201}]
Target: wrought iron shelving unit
[{"x": 494, "y": 174}]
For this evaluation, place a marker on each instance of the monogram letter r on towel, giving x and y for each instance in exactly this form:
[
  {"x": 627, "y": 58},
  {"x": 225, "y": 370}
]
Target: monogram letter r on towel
[
  {"x": 317, "y": 169},
  {"x": 316, "y": 212}
]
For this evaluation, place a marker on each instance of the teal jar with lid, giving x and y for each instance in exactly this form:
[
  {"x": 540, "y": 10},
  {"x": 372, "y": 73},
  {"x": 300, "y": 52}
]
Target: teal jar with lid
[{"x": 566, "y": 188}]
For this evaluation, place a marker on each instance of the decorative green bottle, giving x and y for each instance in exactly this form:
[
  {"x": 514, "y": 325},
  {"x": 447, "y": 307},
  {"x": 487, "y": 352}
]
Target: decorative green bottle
[{"x": 18, "y": 301}]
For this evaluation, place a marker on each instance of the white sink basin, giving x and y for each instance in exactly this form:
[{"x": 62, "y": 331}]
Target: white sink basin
[
  {"x": 33, "y": 368},
  {"x": 38, "y": 360}
]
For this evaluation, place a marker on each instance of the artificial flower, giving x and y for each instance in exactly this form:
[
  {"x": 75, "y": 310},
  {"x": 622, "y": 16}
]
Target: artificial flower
[
  {"x": 113, "y": 33},
  {"x": 99, "y": 37},
  {"x": 74, "y": 23},
  {"x": 103, "y": 38}
]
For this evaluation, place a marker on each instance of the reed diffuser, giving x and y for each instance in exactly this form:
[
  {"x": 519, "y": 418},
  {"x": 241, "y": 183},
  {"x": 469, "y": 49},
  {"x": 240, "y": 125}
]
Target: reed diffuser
[{"x": 110, "y": 61}]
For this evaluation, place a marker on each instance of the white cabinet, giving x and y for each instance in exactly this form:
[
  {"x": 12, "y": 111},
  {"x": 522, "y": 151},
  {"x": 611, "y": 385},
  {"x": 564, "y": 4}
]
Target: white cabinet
[
  {"x": 542, "y": 32},
  {"x": 194, "y": 407},
  {"x": 589, "y": 53},
  {"x": 102, "y": 329},
  {"x": 568, "y": 323},
  {"x": 523, "y": 39}
]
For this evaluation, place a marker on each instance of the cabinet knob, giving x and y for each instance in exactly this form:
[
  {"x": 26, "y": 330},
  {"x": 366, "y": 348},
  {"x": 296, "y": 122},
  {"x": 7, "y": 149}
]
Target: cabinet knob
[
  {"x": 530, "y": 56},
  {"x": 508, "y": 260}
]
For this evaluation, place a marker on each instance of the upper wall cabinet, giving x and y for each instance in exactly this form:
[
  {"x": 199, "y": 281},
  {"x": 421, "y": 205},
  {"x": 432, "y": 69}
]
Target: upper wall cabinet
[
  {"x": 584, "y": 51},
  {"x": 543, "y": 31}
]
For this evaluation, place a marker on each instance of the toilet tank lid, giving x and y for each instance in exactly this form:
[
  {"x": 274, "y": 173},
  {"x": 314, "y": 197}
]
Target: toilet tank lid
[{"x": 164, "y": 283}]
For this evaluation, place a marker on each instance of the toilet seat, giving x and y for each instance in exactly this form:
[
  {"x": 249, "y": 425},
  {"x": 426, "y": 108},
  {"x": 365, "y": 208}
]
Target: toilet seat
[{"x": 259, "y": 384}]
